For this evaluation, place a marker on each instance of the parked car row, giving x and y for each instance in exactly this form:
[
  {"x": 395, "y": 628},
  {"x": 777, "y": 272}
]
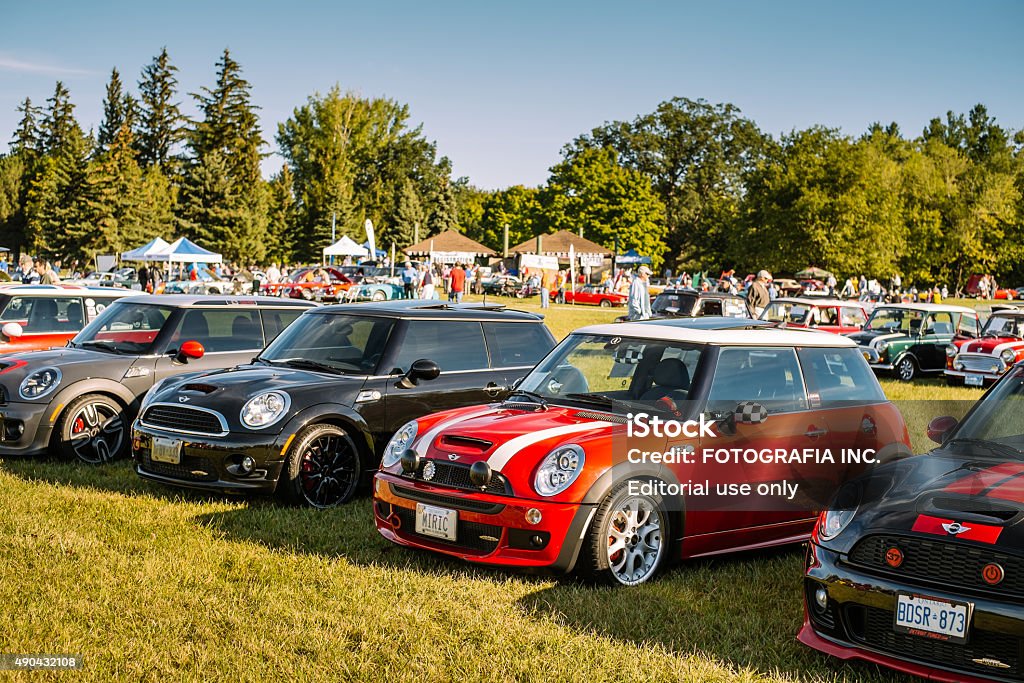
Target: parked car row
[{"x": 482, "y": 439}]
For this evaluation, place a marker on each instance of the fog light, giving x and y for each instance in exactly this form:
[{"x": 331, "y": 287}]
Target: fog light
[
  {"x": 410, "y": 461},
  {"x": 248, "y": 465},
  {"x": 533, "y": 516},
  {"x": 959, "y": 366},
  {"x": 480, "y": 474},
  {"x": 821, "y": 598},
  {"x": 536, "y": 540}
]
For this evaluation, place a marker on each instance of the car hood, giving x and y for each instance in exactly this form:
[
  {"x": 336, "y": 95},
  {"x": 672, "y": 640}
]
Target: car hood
[
  {"x": 73, "y": 363},
  {"x": 227, "y": 390},
  {"x": 992, "y": 345},
  {"x": 513, "y": 440},
  {"x": 945, "y": 497},
  {"x": 873, "y": 337}
]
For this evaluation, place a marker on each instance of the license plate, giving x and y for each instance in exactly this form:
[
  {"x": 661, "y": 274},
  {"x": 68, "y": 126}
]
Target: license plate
[
  {"x": 166, "y": 450},
  {"x": 973, "y": 380},
  {"x": 436, "y": 522},
  {"x": 931, "y": 618}
]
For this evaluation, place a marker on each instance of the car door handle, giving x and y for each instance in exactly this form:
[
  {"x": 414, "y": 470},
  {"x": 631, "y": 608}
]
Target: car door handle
[
  {"x": 813, "y": 432},
  {"x": 493, "y": 389}
]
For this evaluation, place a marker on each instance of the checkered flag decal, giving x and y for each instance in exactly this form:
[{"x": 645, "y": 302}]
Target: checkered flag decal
[
  {"x": 630, "y": 355},
  {"x": 749, "y": 412}
]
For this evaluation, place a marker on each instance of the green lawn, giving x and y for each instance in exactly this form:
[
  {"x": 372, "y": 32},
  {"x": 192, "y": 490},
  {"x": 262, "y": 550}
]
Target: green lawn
[{"x": 150, "y": 584}]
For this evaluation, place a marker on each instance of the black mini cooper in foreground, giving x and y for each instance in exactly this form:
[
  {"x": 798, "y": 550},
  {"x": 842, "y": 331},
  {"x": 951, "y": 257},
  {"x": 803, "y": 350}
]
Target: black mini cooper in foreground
[
  {"x": 309, "y": 417},
  {"x": 921, "y": 566}
]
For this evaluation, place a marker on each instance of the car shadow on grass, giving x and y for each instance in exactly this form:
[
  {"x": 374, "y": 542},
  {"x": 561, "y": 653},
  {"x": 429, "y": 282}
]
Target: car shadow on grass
[{"x": 743, "y": 610}]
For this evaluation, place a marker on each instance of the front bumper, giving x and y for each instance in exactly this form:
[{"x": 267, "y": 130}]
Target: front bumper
[
  {"x": 960, "y": 377},
  {"x": 491, "y": 528},
  {"x": 25, "y": 428},
  {"x": 211, "y": 463},
  {"x": 858, "y": 624}
]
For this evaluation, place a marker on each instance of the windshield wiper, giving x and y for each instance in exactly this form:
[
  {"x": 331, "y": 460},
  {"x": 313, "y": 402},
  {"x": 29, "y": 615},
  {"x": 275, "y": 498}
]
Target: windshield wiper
[
  {"x": 102, "y": 344},
  {"x": 530, "y": 394},
  {"x": 597, "y": 399},
  {"x": 307, "y": 364},
  {"x": 991, "y": 446}
]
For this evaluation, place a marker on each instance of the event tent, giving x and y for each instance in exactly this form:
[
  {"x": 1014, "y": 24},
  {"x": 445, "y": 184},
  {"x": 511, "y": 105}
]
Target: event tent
[
  {"x": 449, "y": 246},
  {"x": 146, "y": 251},
  {"x": 632, "y": 257},
  {"x": 184, "y": 250},
  {"x": 345, "y": 247}
]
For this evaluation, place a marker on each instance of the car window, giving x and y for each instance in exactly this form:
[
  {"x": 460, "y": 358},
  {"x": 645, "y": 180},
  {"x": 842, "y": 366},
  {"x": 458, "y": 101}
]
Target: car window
[
  {"x": 275, "y": 321},
  {"x": 94, "y": 305},
  {"x": 828, "y": 315},
  {"x": 940, "y": 323},
  {"x": 853, "y": 316},
  {"x": 839, "y": 376},
  {"x": 516, "y": 344},
  {"x": 769, "y": 376},
  {"x": 968, "y": 325},
  {"x": 453, "y": 345},
  {"x": 219, "y": 330},
  {"x": 711, "y": 307},
  {"x": 735, "y": 308},
  {"x": 40, "y": 314},
  {"x": 787, "y": 312}
]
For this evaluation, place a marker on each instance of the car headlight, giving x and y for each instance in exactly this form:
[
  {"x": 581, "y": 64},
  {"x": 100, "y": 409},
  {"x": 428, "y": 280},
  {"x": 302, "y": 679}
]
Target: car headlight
[
  {"x": 559, "y": 470},
  {"x": 39, "y": 383},
  {"x": 840, "y": 513},
  {"x": 265, "y": 409},
  {"x": 950, "y": 351},
  {"x": 1009, "y": 356},
  {"x": 399, "y": 443},
  {"x": 882, "y": 346}
]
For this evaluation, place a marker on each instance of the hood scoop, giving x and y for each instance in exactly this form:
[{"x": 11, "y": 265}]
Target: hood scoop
[
  {"x": 973, "y": 508},
  {"x": 605, "y": 417},
  {"x": 198, "y": 388},
  {"x": 466, "y": 442}
]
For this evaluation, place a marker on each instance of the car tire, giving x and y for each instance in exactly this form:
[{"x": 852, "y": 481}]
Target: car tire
[
  {"x": 379, "y": 295},
  {"x": 92, "y": 429},
  {"x": 626, "y": 544},
  {"x": 905, "y": 369},
  {"x": 606, "y": 303},
  {"x": 322, "y": 469}
]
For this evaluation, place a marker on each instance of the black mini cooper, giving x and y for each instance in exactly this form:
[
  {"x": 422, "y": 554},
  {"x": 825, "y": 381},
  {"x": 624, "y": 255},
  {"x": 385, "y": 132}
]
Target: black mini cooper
[
  {"x": 309, "y": 417},
  {"x": 920, "y": 567}
]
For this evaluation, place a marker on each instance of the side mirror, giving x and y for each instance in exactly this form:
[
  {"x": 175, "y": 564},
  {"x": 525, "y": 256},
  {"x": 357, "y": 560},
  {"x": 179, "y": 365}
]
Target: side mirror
[
  {"x": 422, "y": 369},
  {"x": 190, "y": 350},
  {"x": 940, "y": 427},
  {"x": 517, "y": 382},
  {"x": 750, "y": 413},
  {"x": 12, "y": 330}
]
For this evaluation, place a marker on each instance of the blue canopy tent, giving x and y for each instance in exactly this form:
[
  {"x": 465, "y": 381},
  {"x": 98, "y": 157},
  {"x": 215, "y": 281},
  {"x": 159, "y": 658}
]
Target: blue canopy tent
[
  {"x": 632, "y": 258},
  {"x": 146, "y": 252},
  {"x": 380, "y": 253},
  {"x": 184, "y": 250}
]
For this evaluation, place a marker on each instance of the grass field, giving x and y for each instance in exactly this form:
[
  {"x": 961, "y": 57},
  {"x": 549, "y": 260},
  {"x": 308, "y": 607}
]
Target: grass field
[{"x": 150, "y": 584}]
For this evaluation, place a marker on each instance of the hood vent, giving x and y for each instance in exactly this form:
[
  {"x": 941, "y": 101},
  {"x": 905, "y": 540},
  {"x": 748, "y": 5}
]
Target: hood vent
[
  {"x": 472, "y": 442},
  {"x": 606, "y": 417},
  {"x": 973, "y": 507},
  {"x": 198, "y": 388}
]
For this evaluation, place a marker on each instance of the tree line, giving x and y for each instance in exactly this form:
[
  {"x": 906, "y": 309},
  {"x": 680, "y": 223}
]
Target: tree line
[{"x": 695, "y": 185}]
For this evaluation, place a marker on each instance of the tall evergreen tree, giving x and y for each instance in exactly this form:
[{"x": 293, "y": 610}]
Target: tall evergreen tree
[
  {"x": 408, "y": 215},
  {"x": 114, "y": 114},
  {"x": 60, "y": 130},
  {"x": 28, "y": 137},
  {"x": 115, "y": 200},
  {"x": 160, "y": 123},
  {"x": 283, "y": 217},
  {"x": 444, "y": 212}
]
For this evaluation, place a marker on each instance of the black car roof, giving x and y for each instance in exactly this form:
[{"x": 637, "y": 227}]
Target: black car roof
[
  {"x": 201, "y": 300},
  {"x": 419, "y": 308},
  {"x": 694, "y": 292},
  {"x": 711, "y": 322}
]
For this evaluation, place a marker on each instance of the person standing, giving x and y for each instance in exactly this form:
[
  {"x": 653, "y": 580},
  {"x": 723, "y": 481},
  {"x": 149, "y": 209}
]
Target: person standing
[
  {"x": 758, "y": 297},
  {"x": 639, "y": 303},
  {"x": 831, "y": 284},
  {"x": 47, "y": 275},
  {"x": 408, "y": 281},
  {"x": 458, "y": 284},
  {"x": 547, "y": 282},
  {"x": 144, "y": 279},
  {"x": 427, "y": 282},
  {"x": 273, "y": 274}
]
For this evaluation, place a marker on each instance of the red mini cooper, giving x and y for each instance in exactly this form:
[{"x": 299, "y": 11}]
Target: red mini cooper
[
  {"x": 633, "y": 445},
  {"x": 828, "y": 315},
  {"x": 979, "y": 362}
]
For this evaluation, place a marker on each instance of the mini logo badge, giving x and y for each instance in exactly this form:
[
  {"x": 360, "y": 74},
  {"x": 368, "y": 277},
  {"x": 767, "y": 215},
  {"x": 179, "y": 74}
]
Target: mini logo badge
[
  {"x": 955, "y": 528},
  {"x": 993, "y": 574},
  {"x": 183, "y": 399},
  {"x": 429, "y": 470},
  {"x": 988, "y": 661},
  {"x": 453, "y": 456},
  {"x": 894, "y": 557}
]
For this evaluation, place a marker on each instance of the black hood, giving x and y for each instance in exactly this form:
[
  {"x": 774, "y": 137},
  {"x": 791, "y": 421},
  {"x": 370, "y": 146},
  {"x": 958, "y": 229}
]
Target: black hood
[
  {"x": 917, "y": 495},
  {"x": 74, "y": 364}
]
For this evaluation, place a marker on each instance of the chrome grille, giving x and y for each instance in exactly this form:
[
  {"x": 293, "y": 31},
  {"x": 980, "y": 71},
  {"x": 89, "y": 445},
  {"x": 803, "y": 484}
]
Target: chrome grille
[{"x": 981, "y": 362}]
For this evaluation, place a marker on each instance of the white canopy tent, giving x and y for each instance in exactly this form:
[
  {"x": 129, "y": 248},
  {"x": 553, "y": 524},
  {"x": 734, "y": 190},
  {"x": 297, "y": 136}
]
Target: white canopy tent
[
  {"x": 146, "y": 251},
  {"x": 345, "y": 247}
]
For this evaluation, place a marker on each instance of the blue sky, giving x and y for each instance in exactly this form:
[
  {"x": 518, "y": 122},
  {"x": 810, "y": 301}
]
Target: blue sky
[{"x": 502, "y": 86}]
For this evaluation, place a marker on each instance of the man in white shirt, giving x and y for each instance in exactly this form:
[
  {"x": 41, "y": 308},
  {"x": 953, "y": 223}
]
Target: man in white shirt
[{"x": 639, "y": 305}]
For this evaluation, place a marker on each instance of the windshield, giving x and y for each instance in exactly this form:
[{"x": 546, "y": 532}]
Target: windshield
[
  {"x": 615, "y": 368},
  {"x": 999, "y": 417},
  {"x": 1002, "y": 326},
  {"x": 673, "y": 303},
  {"x": 787, "y": 312},
  {"x": 895, "y": 320},
  {"x": 341, "y": 343},
  {"x": 124, "y": 328}
]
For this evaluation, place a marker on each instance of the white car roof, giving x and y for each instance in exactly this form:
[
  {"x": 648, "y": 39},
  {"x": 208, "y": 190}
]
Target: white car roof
[
  {"x": 813, "y": 301},
  {"x": 754, "y": 337},
  {"x": 927, "y": 307}
]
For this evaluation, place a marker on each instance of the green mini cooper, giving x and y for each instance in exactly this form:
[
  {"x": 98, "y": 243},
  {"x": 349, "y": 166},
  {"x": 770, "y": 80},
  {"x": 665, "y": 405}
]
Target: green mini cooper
[{"x": 905, "y": 340}]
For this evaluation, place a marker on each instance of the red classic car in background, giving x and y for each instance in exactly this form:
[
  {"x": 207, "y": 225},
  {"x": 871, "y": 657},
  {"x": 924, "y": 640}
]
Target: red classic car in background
[
  {"x": 982, "y": 361},
  {"x": 548, "y": 478},
  {"x": 590, "y": 294},
  {"x": 44, "y": 316},
  {"x": 323, "y": 283},
  {"x": 829, "y": 315}
]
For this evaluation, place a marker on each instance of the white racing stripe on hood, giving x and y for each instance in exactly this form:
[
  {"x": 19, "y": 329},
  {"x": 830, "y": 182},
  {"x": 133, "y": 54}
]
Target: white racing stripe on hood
[
  {"x": 884, "y": 337},
  {"x": 999, "y": 348},
  {"x": 431, "y": 434},
  {"x": 510, "y": 448}
]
